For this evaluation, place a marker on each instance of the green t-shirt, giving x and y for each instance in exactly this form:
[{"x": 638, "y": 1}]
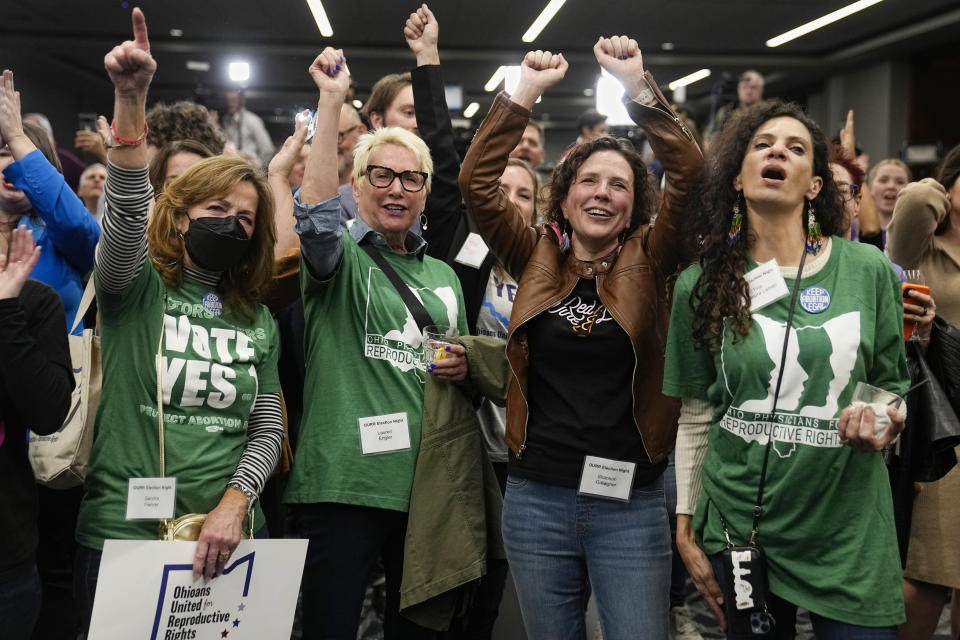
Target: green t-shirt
[
  {"x": 365, "y": 359},
  {"x": 214, "y": 365},
  {"x": 827, "y": 525}
]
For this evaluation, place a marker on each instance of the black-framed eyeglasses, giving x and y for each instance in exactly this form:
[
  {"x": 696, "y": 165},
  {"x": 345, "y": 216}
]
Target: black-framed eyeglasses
[
  {"x": 343, "y": 134},
  {"x": 848, "y": 190},
  {"x": 383, "y": 177}
]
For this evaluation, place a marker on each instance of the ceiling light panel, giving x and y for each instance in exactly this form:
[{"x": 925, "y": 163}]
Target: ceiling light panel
[
  {"x": 320, "y": 16},
  {"x": 820, "y": 22},
  {"x": 689, "y": 79},
  {"x": 545, "y": 17}
]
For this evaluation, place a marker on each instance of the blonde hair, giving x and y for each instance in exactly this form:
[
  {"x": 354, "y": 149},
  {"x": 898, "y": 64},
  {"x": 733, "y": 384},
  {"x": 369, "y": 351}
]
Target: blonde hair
[
  {"x": 242, "y": 284},
  {"x": 368, "y": 142},
  {"x": 894, "y": 161},
  {"x": 499, "y": 271}
]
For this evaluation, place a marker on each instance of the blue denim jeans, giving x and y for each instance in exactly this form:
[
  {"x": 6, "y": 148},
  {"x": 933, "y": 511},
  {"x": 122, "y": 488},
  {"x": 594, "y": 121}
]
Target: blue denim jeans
[
  {"x": 785, "y": 615},
  {"x": 557, "y": 539},
  {"x": 20, "y": 603}
]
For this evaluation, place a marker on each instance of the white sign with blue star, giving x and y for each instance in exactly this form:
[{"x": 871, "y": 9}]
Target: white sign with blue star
[{"x": 146, "y": 589}]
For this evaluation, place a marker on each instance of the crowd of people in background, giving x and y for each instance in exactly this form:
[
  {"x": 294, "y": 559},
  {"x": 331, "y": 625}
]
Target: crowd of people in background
[{"x": 649, "y": 356}]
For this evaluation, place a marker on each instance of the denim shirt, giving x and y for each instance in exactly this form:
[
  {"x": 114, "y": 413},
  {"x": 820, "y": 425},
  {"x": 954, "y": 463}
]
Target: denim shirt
[{"x": 321, "y": 236}]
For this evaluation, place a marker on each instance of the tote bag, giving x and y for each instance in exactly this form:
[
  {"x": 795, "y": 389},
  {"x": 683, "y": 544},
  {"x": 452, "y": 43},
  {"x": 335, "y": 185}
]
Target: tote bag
[{"x": 60, "y": 460}]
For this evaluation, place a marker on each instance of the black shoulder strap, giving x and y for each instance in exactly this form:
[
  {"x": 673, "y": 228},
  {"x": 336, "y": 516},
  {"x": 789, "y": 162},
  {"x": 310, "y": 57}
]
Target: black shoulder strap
[
  {"x": 757, "y": 509},
  {"x": 420, "y": 315}
]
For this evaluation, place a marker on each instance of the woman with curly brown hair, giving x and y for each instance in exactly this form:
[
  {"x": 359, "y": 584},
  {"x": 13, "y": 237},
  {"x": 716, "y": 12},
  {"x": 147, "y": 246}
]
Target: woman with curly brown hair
[
  {"x": 770, "y": 334},
  {"x": 584, "y": 492},
  {"x": 190, "y": 387}
]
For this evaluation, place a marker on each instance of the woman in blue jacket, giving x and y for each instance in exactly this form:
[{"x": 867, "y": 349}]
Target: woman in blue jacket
[{"x": 33, "y": 193}]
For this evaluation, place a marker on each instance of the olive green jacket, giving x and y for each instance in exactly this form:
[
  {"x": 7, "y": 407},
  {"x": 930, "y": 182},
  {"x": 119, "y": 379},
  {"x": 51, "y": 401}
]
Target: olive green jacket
[{"x": 453, "y": 529}]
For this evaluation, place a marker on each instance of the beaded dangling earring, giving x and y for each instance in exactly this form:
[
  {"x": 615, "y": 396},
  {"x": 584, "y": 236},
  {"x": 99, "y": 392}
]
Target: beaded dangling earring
[
  {"x": 565, "y": 235},
  {"x": 736, "y": 224},
  {"x": 814, "y": 235}
]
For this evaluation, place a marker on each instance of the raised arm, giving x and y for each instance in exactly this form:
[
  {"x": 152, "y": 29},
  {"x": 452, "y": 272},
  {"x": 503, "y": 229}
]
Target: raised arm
[
  {"x": 34, "y": 356},
  {"x": 71, "y": 228},
  {"x": 671, "y": 141},
  {"x": 278, "y": 177},
  {"x": 11, "y": 124},
  {"x": 131, "y": 68},
  {"x": 868, "y": 219},
  {"x": 122, "y": 251},
  {"x": 444, "y": 208},
  {"x": 315, "y": 205},
  {"x": 920, "y": 208},
  {"x": 500, "y": 224}
]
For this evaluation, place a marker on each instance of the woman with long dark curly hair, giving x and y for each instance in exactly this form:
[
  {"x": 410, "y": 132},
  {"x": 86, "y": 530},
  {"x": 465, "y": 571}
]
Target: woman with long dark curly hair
[
  {"x": 584, "y": 492},
  {"x": 762, "y": 407}
]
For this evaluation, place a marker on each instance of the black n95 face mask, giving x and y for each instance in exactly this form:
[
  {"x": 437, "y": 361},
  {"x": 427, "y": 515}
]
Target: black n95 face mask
[{"x": 214, "y": 243}]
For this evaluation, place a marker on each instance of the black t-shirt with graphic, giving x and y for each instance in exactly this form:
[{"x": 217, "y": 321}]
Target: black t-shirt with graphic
[{"x": 579, "y": 393}]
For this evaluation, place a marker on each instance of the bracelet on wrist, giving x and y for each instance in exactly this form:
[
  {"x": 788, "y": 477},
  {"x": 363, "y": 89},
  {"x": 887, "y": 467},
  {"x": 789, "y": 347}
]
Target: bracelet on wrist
[
  {"x": 125, "y": 142},
  {"x": 251, "y": 496}
]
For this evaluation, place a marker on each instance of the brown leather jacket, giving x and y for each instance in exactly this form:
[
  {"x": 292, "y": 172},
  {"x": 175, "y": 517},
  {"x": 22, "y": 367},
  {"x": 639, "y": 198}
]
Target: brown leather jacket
[{"x": 635, "y": 285}]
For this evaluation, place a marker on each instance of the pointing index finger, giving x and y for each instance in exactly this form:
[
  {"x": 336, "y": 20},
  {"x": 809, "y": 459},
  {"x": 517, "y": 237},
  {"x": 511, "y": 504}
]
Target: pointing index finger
[{"x": 140, "y": 29}]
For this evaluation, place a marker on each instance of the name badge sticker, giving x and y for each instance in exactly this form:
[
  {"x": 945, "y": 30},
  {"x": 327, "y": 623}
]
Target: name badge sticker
[
  {"x": 766, "y": 285},
  {"x": 815, "y": 299},
  {"x": 473, "y": 252},
  {"x": 151, "y": 498},
  {"x": 384, "y": 434},
  {"x": 605, "y": 478}
]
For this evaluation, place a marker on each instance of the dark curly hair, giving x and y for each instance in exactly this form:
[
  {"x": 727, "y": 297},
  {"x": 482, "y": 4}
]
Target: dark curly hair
[
  {"x": 721, "y": 297},
  {"x": 183, "y": 120},
  {"x": 644, "y": 196}
]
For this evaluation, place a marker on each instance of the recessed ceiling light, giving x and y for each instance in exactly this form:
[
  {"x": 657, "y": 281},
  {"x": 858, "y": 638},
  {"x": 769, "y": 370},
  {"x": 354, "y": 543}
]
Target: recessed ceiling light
[
  {"x": 320, "y": 16},
  {"x": 239, "y": 71},
  {"x": 545, "y": 16},
  {"x": 471, "y": 109},
  {"x": 667, "y": 46},
  {"x": 689, "y": 79},
  {"x": 588, "y": 92},
  {"x": 176, "y": 33},
  {"x": 198, "y": 65},
  {"x": 823, "y": 21}
]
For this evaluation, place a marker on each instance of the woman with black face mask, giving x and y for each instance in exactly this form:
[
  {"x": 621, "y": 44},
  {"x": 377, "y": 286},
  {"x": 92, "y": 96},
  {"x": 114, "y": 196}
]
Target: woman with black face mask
[{"x": 190, "y": 387}]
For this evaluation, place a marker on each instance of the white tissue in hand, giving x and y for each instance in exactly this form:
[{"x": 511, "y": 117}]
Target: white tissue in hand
[{"x": 880, "y": 418}]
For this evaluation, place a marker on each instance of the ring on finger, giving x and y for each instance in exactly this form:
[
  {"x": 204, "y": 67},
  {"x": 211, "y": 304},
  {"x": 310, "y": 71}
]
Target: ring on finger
[{"x": 223, "y": 555}]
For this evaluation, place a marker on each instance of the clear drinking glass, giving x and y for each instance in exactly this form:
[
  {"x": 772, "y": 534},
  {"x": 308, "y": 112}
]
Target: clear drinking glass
[
  {"x": 435, "y": 338},
  {"x": 876, "y": 399}
]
